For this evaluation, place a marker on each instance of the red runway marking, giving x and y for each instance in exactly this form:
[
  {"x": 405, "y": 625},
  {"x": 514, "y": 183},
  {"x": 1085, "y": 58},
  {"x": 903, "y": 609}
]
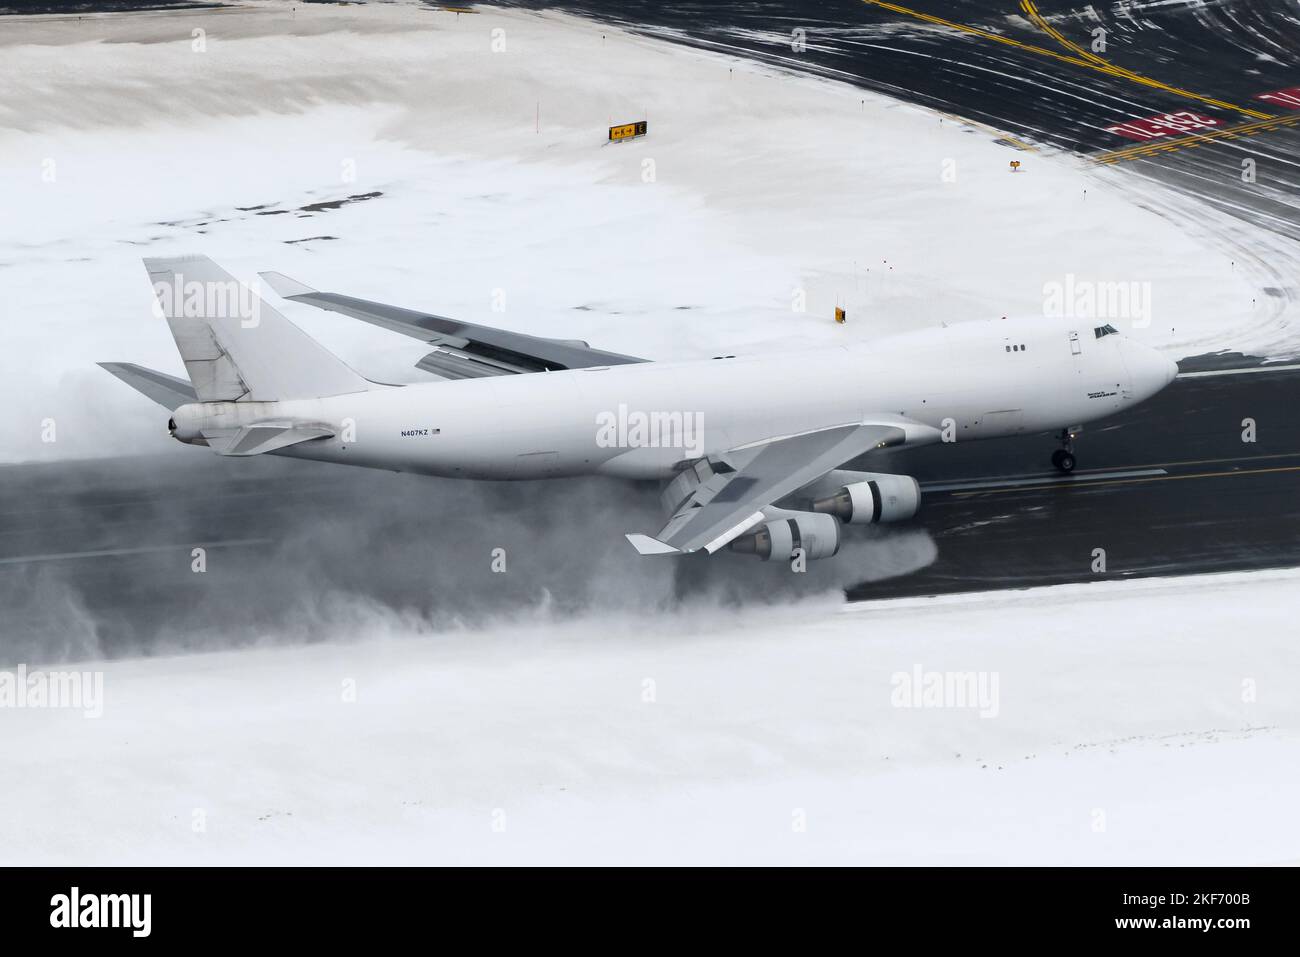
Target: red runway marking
[
  {"x": 1290, "y": 97},
  {"x": 1184, "y": 121}
]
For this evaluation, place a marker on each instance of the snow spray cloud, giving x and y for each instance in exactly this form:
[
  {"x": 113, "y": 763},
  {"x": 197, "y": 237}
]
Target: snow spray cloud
[{"x": 192, "y": 552}]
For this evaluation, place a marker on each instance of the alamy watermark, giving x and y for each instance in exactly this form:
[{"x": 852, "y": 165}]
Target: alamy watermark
[
  {"x": 207, "y": 299},
  {"x": 918, "y": 688},
  {"x": 76, "y": 909},
  {"x": 1076, "y": 298},
  {"x": 635, "y": 429},
  {"x": 74, "y": 690}
]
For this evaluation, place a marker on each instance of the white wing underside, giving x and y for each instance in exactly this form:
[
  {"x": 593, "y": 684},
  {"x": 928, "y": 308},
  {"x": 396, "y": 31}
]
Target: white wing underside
[{"x": 720, "y": 498}]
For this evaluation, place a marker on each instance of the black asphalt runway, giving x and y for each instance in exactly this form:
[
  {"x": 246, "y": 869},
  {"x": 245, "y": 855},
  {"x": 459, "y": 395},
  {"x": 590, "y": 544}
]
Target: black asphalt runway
[
  {"x": 1172, "y": 487},
  {"x": 97, "y": 557}
]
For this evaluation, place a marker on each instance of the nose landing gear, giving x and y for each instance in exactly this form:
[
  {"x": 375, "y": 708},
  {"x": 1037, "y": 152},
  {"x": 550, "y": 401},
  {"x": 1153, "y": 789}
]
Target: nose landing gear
[{"x": 1063, "y": 458}]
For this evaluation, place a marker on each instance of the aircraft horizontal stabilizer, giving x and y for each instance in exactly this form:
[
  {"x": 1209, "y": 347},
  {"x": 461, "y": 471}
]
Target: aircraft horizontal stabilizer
[
  {"x": 261, "y": 437},
  {"x": 167, "y": 390}
]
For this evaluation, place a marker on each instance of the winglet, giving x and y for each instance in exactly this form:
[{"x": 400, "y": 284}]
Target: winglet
[
  {"x": 285, "y": 287},
  {"x": 645, "y": 545}
]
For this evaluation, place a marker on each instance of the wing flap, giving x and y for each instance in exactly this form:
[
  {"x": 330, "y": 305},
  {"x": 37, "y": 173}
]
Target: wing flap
[{"x": 454, "y": 364}]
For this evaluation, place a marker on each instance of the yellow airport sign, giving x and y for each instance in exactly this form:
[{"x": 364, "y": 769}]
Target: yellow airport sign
[{"x": 625, "y": 131}]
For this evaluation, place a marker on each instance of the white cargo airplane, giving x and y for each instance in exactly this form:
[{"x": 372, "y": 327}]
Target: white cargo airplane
[{"x": 751, "y": 449}]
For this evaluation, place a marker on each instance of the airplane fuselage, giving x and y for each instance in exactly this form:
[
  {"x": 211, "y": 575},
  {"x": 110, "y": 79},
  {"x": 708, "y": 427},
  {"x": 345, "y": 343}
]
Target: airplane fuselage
[{"x": 968, "y": 381}]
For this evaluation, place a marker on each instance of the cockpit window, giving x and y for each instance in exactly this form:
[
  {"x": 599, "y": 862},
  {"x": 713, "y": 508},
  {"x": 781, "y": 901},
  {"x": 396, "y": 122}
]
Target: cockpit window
[{"x": 1106, "y": 330}]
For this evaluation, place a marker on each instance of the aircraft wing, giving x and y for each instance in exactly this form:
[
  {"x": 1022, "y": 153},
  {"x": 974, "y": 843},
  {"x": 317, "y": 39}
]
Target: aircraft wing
[
  {"x": 464, "y": 350},
  {"x": 725, "y": 496}
]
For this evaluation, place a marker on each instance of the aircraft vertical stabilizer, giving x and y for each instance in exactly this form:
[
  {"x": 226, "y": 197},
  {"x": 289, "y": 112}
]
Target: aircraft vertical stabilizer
[{"x": 235, "y": 346}]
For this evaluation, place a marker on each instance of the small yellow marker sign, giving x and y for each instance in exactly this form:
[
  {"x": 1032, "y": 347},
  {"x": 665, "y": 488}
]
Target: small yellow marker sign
[
  {"x": 625, "y": 131},
  {"x": 839, "y": 315}
]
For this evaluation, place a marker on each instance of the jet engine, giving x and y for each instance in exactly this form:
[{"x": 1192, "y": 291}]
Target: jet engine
[
  {"x": 817, "y": 535},
  {"x": 884, "y": 498}
]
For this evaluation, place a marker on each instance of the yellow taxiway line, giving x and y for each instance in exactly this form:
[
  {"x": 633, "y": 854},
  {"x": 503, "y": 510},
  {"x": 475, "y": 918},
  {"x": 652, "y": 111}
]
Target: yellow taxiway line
[
  {"x": 1086, "y": 60},
  {"x": 1192, "y": 140},
  {"x": 1031, "y": 11}
]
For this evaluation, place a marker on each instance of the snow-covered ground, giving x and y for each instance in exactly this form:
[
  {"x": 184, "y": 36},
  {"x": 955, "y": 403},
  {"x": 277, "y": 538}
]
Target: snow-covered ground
[
  {"x": 1121, "y": 723},
  {"x": 501, "y": 202}
]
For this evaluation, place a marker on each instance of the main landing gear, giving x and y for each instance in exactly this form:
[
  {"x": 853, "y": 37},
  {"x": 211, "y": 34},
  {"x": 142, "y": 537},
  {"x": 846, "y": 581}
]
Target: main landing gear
[{"x": 1063, "y": 458}]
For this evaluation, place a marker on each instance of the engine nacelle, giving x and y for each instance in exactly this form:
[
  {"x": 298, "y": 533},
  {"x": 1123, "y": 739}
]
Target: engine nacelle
[
  {"x": 885, "y": 498},
  {"x": 188, "y": 422},
  {"x": 817, "y": 535}
]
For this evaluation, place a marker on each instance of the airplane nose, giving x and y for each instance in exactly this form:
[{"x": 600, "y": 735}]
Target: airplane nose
[{"x": 1151, "y": 371}]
